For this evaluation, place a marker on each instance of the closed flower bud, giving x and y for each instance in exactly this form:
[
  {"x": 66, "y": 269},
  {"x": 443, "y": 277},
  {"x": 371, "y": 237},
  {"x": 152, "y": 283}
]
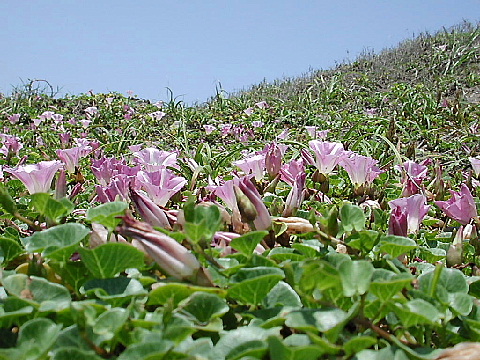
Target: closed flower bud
[{"x": 246, "y": 207}]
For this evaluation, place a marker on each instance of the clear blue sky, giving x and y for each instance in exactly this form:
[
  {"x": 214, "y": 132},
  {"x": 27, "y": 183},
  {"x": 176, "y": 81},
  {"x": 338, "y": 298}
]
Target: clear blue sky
[{"x": 191, "y": 46}]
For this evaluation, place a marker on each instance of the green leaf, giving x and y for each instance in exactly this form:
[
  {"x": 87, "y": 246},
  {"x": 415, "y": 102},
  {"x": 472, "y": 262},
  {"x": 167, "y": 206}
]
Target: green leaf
[
  {"x": 10, "y": 316},
  {"x": 70, "y": 353},
  {"x": 248, "y": 242},
  {"x": 244, "y": 341},
  {"x": 417, "y": 312},
  {"x": 320, "y": 275},
  {"x": 452, "y": 280},
  {"x": 38, "y": 291},
  {"x": 461, "y": 303},
  {"x": 6, "y": 201},
  {"x": 201, "y": 221},
  {"x": 73, "y": 273},
  {"x": 356, "y": 277},
  {"x": 109, "y": 323},
  {"x": 250, "y": 273},
  {"x": 282, "y": 294},
  {"x": 363, "y": 240},
  {"x": 315, "y": 320},
  {"x": 151, "y": 350},
  {"x": 69, "y": 338},
  {"x": 204, "y": 306},
  {"x": 47, "y": 206},
  {"x": 10, "y": 249},
  {"x": 116, "y": 288},
  {"x": 107, "y": 260},
  {"x": 396, "y": 245},
  {"x": 432, "y": 255},
  {"x": 386, "y": 284},
  {"x": 58, "y": 242},
  {"x": 37, "y": 336},
  {"x": 107, "y": 214},
  {"x": 358, "y": 343},
  {"x": 352, "y": 217},
  {"x": 253, "y": 291},
  {"x": 177, "y": 292}
]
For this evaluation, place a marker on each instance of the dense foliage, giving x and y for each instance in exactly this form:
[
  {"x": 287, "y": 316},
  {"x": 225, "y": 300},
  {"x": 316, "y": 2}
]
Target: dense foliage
[{"x": 331, "y": 216}]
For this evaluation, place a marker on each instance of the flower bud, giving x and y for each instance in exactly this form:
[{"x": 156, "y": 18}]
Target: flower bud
[{"x": 246, "y": 207}]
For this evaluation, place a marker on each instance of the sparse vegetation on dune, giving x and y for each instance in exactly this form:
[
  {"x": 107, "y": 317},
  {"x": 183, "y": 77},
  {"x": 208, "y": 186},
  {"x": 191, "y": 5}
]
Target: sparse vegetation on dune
[{"x": 330, "y": 216}]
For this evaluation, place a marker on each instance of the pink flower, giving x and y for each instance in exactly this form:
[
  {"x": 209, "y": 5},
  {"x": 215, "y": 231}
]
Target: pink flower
[
  {"x": 37, "y": 122},
  {"x": 257, "y": 124},
  {"x": 209, "y": 129},
  {"x": 460, "y": 207},
  {"x": 289, "y": 171},
  {"x": 295, "y": 197},
  {"x": 47, "y": 115},
  {"x": 413, "y": 176},
  {"x": 172, "y": 257},
  {"x": 226, "y": 129},
  {"x": 262, "y": 105},
  {"x": 14, "y": 118},
  {"x": 273, "y": 159},
  {"x": 37, "y": 178},
  {"x": 248, "y": 111},
  {"x": 65, "y": 138},
  {"x": 160, "y": 185},
  {"x": 116, "y": 190},
  {"x": 57, "y": 118},
  {"x": 407, "y": 214},
  {"x": 71, "y": 157},
  {"x": 152, "y": 159},
  {"x": 85, "y": 123},
  {"x": 149, "y": 211},
  {"x": 475, "y": 162},
  {"x": 11, "y": 145},
  {"x": 157, "y": 115},
  {"x": 252, "y": 165},
  {"x": 91, "y": 111},
  {"x": 327, "y": 155},
  {"x": 362, "y": 170},
  {"x": 104, "y": 169},
  {"x": 251, "y": 205}
]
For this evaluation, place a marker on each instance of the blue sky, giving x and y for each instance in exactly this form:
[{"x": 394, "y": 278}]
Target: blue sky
[{"x": 194, "y": 46}]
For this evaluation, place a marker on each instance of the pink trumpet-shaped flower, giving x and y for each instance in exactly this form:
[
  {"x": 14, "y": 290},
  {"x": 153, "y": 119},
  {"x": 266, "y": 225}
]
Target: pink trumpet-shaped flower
[
  {"x": 14, "y": 118},
  {"x": 172, "y": 257},
  {"x": 152, "y": 159},
  {"x": 252, "y": 165},
  {"x": 149, "y": 211},
  {"x": 209, "y": 129},
  {"x": 295, "y": 197},
  {"x": 226, "y": 192},
  {"x": 413, "y": 176},
  {"x": 71, "y": 157},
  {"x": 160, "y": 185},
  {"x": 460, "y": 207},
  {"x": 475, "y": 162},
  {"x": 104, "y": 169},
  {"x": 407, "y": 214},
  {"x": 273, "y": 159},
  {"x": 11, "y": 145},
  {"x": 327, "y": 155},
  {"x": 37, "y": 178},
  {"x": 247, "y": 194},
  {"x": 116, "y": 190},
  {"x": 362, "y": 170},
  {"x": 289, "y": 171}
]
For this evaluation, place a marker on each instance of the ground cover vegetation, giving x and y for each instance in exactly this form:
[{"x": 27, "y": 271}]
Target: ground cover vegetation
[{"x": 332, "y": 216}]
